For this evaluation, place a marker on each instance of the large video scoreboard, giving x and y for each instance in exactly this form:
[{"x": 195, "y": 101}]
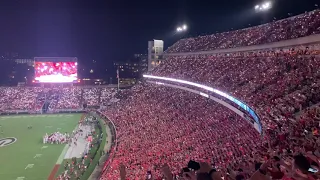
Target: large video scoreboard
[{"x": 55, "y": 69}]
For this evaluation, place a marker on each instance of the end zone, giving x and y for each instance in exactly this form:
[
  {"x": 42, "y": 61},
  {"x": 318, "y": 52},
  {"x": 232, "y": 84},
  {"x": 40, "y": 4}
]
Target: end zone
[
  {"x": 58, "y": 163},
  {"x": 54, "y": 171}
]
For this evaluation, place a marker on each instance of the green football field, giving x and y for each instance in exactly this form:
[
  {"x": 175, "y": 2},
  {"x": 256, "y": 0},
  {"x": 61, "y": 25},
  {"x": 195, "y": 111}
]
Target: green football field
[{"x": 28, "y": 158}]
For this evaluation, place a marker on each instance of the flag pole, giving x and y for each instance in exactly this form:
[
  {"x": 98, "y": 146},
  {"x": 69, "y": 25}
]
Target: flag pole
[{"x": 118, "y": 78}]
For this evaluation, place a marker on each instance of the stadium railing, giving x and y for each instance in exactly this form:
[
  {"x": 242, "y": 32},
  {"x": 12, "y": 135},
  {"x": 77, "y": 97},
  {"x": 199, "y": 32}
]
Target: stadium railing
[{"x": 212, "y": 93}]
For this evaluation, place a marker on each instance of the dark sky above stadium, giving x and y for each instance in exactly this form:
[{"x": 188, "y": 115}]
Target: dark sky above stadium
[{"x": 113, "y": 30}]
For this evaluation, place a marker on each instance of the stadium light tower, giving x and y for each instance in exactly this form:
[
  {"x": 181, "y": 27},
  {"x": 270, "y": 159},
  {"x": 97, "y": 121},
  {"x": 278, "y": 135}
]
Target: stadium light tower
[
  {"x": 263, "y": 7},
  {"x": 182, "y": 28}
]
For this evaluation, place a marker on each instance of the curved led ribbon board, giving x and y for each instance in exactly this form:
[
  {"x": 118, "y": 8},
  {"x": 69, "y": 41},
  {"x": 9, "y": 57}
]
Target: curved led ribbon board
[{"x": 223, "y": 94}]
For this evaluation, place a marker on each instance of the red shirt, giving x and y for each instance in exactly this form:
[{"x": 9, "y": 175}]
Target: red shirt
[
  {"x": 282, "y": 137},
  {"x": 287, "y": 178},
  {"x": 277, "y": 175}
]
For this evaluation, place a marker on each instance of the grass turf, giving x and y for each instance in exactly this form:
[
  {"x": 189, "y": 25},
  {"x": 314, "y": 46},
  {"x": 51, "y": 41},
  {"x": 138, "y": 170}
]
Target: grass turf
[{"x": 15, "y": 157}]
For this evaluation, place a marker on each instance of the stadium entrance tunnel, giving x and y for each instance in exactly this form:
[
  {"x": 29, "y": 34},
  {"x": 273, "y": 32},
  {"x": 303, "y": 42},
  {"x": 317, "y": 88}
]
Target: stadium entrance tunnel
[{"x": 178, "y": 82}]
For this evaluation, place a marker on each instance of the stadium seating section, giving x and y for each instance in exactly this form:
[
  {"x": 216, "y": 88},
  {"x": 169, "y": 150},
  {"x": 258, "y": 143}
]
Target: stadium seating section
[
  {"x": 32, "y": 99},
  {"x": 294, "y": 27},
  {"x": 158, "y": 125}
]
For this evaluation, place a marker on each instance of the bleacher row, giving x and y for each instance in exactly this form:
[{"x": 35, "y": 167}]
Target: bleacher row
[
  {"x": 32, "y": 98},
  {"x": 158, "y": 126}
]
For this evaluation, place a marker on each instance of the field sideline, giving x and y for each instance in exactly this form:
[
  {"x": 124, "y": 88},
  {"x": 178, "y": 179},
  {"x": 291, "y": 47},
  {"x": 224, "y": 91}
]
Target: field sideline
[{"x": 28, "y": 158}]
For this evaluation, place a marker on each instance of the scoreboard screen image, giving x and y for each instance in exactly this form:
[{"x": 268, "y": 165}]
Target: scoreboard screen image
[{"x": 55, "y": 72}]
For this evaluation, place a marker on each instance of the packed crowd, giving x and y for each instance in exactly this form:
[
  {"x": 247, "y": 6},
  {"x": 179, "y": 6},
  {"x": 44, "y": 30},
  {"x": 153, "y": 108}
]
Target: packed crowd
[
  {"x": 16, "y": 98},
  {"x": 158, "y": 125},
  {"x": 107, "y": 96},
  {"x": 33, "y": 98},
  {"x": 73, "y": 170},
  {"x": 69, "y": 99},
  {"x": 290, "y": 28},
  {"x": 91, "y": 96},
  {"x": 158, "y": 130},
  {"x": 276, "y": 83}
]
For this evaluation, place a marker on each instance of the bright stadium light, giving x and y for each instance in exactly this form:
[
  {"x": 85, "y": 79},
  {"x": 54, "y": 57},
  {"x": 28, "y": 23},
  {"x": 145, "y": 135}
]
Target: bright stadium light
[
  {"x": 184, "y": 27},
  {"x": 268, "y": 4},
  {"x": 264, "y": 6}
]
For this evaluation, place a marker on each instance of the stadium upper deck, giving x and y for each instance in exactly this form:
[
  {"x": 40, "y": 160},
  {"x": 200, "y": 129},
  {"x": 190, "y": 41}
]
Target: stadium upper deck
[{"x": 294, "y": 27}]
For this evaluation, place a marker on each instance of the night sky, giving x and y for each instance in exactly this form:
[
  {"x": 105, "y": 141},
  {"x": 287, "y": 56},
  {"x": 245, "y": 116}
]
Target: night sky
[{"x": 108, "y": 31}]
